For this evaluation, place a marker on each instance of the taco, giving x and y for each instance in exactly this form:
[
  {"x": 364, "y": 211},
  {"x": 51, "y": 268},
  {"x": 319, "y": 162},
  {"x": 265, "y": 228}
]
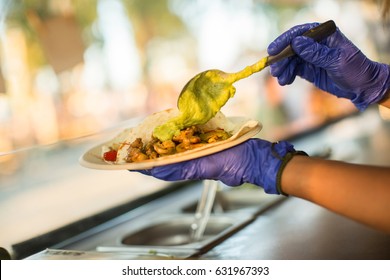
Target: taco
[{"x": 137, "y": 144}]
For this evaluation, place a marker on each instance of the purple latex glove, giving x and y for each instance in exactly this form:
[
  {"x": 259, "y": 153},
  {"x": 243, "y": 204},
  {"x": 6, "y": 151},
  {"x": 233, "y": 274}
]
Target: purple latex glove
[
  {"x": 334, "y": 65},
  {"x": 255, "y": 161}
]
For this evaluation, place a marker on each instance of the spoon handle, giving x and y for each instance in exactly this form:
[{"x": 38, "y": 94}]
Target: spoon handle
[
  {"x": 317, "y": 33},
  {"x": 203, "y": 210}
]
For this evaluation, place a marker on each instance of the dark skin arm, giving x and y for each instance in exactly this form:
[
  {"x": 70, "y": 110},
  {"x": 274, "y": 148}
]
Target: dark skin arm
[{"x": 359, "y": 192}]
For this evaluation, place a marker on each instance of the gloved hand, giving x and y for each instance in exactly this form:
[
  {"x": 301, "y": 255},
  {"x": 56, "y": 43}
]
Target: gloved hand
[
  {"x": 334, "y": 65},
  {"x": 255, "y": 161}
]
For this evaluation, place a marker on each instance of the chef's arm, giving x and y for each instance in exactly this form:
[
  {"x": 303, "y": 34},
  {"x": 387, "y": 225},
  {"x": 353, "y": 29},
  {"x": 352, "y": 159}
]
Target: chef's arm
[
  {"x": 359, "y": 192},
  {"x": 386, "y": 100}
]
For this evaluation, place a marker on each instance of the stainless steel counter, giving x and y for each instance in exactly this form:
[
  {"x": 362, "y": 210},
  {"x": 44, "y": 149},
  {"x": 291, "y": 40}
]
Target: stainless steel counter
[{"x": 297, "y": 229}]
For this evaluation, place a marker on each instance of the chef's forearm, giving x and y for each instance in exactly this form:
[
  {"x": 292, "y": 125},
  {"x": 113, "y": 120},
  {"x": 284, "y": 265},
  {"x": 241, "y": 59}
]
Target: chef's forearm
[
  {"x": 386, "y": 100},
  {"x": 359, "y": 192}
]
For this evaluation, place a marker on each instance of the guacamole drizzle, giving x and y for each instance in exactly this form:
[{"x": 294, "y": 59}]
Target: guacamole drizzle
[{"x": 202, "y": 97}]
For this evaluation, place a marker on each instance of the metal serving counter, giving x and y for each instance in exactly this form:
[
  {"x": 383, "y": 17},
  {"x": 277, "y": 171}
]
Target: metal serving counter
[
  {"x": 272, "y": 228},
  {"x": 297, "y": 229}
]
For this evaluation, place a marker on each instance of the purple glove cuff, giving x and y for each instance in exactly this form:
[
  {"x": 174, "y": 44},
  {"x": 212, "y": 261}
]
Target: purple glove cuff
[{"x": 278, "y": 152}]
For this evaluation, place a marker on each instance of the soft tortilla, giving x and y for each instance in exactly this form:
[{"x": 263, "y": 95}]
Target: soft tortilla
[{"x": 121, "y": 143}]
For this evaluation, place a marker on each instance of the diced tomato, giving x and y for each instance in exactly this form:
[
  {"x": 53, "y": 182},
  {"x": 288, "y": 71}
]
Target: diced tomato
[{"x": 110, "y": 155}]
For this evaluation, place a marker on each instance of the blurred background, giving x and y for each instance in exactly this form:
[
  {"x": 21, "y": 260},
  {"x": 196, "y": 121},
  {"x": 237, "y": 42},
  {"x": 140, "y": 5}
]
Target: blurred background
[{"x": 72, "y": 73}]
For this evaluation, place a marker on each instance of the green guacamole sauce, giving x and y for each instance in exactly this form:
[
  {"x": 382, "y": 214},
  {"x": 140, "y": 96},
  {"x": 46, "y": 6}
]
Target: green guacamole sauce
[{"x": 202, "y": 97}]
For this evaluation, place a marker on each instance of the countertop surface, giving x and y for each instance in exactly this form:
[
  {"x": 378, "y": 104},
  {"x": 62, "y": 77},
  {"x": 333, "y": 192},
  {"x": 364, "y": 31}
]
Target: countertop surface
[{"x": 297, "y": 229}]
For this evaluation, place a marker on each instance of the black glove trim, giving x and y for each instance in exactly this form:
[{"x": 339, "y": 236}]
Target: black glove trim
[{"x": 285, "y": 160}]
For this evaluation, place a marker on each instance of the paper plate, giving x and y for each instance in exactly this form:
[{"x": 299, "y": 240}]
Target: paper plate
[{"x": 246, "y": 129}]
